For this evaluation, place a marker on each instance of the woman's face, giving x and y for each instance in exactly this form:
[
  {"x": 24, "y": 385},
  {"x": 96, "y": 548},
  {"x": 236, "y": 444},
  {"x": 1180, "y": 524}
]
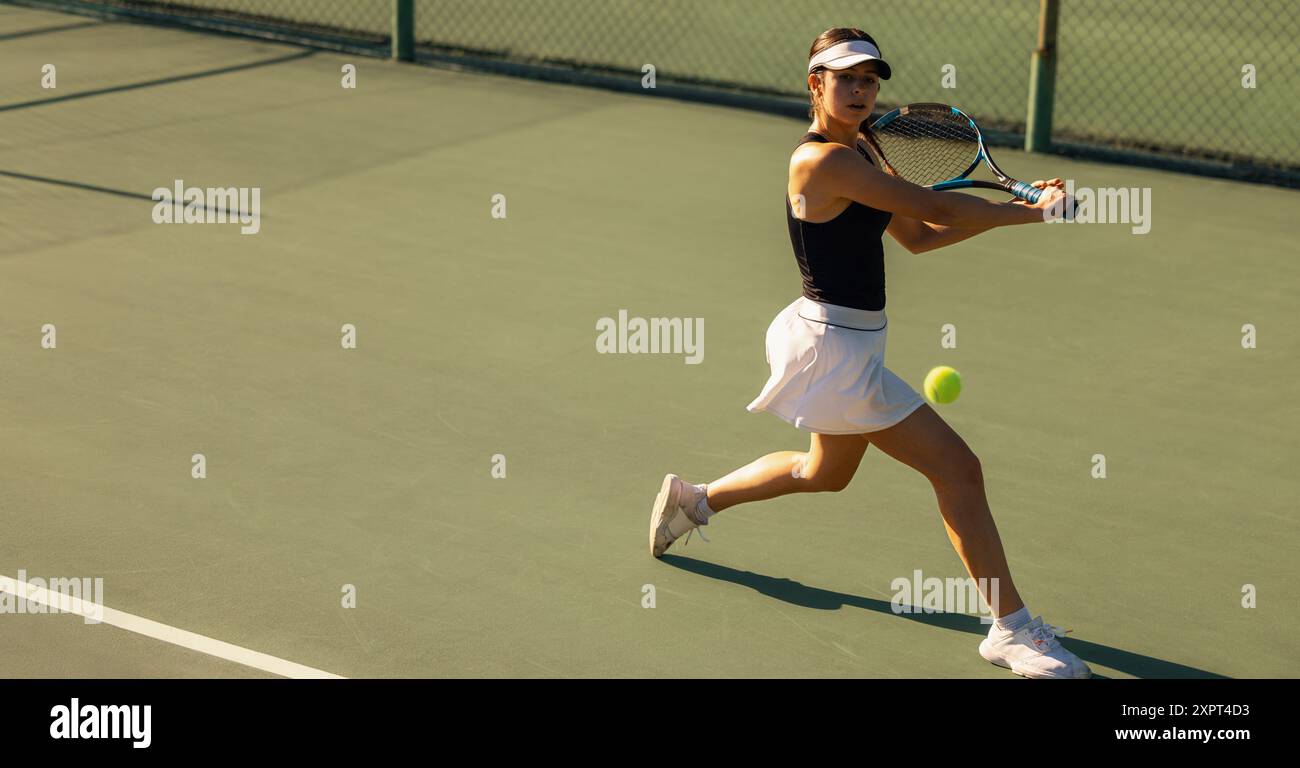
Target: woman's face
[{"x": 849, "y": 95}]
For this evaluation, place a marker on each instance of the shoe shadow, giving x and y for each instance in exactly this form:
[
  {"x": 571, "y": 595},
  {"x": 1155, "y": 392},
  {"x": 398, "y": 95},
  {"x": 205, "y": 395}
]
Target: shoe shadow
[{"x": 795, "y": 593}]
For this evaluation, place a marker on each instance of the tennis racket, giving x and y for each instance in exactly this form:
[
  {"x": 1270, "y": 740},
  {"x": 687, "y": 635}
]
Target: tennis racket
[{"x": 938, "y": 146}]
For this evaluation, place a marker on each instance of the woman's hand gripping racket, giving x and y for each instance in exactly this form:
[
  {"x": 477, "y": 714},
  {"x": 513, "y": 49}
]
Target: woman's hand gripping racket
[{"x": 938, "y": 146}]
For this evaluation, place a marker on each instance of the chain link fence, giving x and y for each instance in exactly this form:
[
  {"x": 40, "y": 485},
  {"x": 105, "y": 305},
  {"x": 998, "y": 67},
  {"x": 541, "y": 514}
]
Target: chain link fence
[
  {"x": 1200, "y": 85},
  {"x": 755, "y": 45},
  {"x": 1174, "y": 77}
]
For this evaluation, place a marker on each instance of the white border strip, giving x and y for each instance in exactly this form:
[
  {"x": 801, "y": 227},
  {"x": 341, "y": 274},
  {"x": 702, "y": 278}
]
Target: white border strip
[{"x": 68, "y": 604}]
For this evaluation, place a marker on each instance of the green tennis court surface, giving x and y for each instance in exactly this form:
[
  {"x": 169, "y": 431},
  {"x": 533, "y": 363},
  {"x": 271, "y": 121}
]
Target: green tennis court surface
[{"x": 373, "y": 467}]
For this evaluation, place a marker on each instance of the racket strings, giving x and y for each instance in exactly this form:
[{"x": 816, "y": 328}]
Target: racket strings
[{"x": 927, "y": 147}]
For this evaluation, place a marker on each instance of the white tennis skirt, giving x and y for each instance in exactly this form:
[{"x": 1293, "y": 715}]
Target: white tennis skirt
[{"x": 828, "y": 371}]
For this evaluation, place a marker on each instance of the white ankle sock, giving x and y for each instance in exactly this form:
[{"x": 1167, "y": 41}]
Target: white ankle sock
[
  {"x": 702, "y": 513},
  {"x": 1013, "y": 621}
]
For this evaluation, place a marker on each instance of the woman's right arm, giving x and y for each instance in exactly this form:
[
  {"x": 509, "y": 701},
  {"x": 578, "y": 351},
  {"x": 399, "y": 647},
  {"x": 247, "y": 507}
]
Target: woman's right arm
[{"x": 842, "y": 172}]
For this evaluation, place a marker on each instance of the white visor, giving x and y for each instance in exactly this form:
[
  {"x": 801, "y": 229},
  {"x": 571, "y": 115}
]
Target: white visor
[{"x": 847, "y": 54}]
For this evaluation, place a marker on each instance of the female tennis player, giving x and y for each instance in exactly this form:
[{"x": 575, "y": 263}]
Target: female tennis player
[{"x": 827, "y": 348}]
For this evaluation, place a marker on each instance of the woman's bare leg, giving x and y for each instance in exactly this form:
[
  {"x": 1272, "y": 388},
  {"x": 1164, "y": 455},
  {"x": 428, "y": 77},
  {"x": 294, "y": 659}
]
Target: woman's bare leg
[
  {"x": 828, "y": 465},
  {"x": 926, "y": 443}
]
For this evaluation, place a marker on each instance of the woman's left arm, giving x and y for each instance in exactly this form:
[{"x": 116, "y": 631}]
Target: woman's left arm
[{"x": 920, "y": 236}]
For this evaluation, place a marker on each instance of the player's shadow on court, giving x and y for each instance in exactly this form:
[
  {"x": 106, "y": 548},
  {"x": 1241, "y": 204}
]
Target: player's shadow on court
[{"x": 790, "y": 591}]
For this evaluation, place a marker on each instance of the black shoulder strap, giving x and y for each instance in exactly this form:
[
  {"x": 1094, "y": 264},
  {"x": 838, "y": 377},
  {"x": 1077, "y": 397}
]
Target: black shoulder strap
[{"x": 820, "y": 139}]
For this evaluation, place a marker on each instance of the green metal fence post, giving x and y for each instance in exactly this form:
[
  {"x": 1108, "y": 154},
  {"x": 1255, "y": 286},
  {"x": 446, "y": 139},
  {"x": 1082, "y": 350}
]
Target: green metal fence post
[
  {"x": 1042, "y": 80},
  {"x": 404, "y": 30}
]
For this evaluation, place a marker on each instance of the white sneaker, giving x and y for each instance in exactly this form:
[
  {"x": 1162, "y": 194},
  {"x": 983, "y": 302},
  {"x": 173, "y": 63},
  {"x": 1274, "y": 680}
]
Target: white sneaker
[
  {"x": 669, "y": 518},
  {"x": 1033, "y": 651}
]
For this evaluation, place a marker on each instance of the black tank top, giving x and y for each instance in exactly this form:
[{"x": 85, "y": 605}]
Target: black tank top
[{"x": 842, "y": 261}]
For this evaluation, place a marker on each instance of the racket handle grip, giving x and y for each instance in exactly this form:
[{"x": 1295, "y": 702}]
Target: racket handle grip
[{"x": 1027, "y": 192}]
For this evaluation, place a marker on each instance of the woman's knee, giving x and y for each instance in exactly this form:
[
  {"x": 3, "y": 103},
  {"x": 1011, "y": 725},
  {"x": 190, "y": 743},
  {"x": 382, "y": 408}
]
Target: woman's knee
[
  {"x": 817, "y": 476},
  {"x": 833, "y": 483},
  {"x": 962, "y": 468}
]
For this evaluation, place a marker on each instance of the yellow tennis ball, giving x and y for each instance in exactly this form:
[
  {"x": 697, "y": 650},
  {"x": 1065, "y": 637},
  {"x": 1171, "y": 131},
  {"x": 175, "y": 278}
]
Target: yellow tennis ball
[{"x": 942, "y": 384}]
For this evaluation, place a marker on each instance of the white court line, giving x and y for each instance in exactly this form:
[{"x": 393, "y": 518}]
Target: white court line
[{"x": 66, "y": 603}]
